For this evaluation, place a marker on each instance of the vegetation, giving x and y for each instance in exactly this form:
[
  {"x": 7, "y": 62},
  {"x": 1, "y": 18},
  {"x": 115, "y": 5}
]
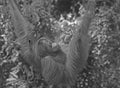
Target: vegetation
[{"x": 57, "y": 19}]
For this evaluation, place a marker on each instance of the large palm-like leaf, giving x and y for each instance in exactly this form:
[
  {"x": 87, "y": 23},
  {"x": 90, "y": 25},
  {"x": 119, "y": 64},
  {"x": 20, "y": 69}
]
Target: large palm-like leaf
[
  {"x": 75, "y": 59},
  {"x": 22, "y": 27},
  {"x": 57, "y": 67}
]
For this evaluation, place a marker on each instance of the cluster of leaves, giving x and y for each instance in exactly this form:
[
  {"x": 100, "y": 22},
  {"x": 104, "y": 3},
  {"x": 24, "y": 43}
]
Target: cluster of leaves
[
  {"x": 105, "y": 46},
  {"x": 58, "y": 22},
  {"x": 8, "y": 54}
]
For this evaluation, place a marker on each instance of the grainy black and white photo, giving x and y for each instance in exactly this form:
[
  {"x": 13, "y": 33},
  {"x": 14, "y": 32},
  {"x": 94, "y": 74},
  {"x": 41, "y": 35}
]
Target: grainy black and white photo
[{"x": 59, "y": 43}]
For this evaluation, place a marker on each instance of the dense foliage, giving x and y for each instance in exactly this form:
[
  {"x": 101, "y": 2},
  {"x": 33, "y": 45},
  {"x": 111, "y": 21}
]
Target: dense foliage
[{"x": 57, "y": 19}]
